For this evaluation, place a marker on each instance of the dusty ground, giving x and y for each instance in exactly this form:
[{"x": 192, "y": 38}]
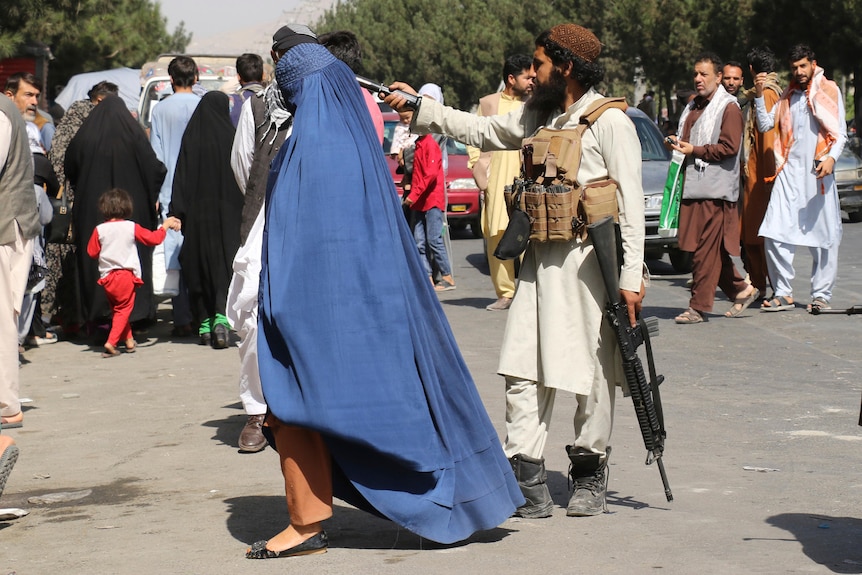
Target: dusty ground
[{"x": 153, "y": 435}]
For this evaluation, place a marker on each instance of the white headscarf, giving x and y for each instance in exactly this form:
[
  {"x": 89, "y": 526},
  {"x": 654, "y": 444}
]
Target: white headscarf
[{"x": 434, "y": 92}]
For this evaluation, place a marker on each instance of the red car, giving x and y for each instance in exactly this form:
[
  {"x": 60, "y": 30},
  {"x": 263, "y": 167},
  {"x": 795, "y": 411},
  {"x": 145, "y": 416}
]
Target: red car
[{"x": 463, "y": 198}]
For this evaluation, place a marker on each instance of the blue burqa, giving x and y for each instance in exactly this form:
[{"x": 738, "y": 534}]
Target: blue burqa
[{"x": 353, "y": 341}]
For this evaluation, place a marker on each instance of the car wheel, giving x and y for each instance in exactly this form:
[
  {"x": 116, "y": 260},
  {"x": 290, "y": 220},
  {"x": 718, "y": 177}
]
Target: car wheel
[
  {"x": 680, "y": 260},
  {"x": 855, "y": 217},
  {"x": 457, "y": 225},
  {"x": 476, "y": 228},
  {"x": 485, "y": 250},
  {"x": 653, "y": 254}
]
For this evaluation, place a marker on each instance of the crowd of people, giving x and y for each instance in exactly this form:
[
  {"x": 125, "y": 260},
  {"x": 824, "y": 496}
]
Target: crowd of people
[
  {"x": 363, "y": 393},
  {"x": 759, "y": 181}
]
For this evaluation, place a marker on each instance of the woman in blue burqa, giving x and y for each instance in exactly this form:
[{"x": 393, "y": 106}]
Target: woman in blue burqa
[{"x": 368, "y": 394}]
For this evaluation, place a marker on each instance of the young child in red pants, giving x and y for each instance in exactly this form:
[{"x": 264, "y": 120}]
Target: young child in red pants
[{"x": 113, "y": 243}]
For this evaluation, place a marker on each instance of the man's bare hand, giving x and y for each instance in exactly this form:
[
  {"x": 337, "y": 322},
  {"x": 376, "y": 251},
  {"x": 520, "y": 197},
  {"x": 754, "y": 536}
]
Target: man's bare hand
[
  {"x": 825, "y": 167},
  {"x": 395, "y": 100},
  {"x": 684, "y": 147},
  {"x": 759, "y": 81},
  {"x": 634, "y": 303}
]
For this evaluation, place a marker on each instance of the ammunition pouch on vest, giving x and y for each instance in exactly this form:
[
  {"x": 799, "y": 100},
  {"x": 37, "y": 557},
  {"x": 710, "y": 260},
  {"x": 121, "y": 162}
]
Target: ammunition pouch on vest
[{"x": 558, "y": 206}]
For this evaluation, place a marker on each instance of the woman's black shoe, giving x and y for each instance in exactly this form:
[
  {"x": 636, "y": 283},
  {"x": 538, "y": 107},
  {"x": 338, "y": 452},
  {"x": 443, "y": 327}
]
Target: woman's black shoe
[
  {"x": 220, "y": 336},
  {"x": 311, "y": 546},
  {"x": 206, "y": 338}
]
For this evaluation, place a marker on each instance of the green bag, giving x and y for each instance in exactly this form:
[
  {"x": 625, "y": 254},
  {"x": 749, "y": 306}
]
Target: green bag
[{"x": 668, "y": 223}]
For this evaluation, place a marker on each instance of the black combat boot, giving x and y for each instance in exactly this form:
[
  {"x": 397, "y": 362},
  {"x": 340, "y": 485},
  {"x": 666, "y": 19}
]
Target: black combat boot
[
  {"x": 588, "y": 473},
  {"x": 531, "y": 476}
]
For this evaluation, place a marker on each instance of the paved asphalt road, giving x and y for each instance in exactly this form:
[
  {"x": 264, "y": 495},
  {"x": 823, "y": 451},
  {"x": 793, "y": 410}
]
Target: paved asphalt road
[{"x": 153, "y": 437}]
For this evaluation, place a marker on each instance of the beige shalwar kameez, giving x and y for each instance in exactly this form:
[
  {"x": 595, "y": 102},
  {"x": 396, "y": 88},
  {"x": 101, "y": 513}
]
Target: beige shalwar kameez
[
  {"x": 504, "y": 167},
  {"x": 555, "y": 336}
]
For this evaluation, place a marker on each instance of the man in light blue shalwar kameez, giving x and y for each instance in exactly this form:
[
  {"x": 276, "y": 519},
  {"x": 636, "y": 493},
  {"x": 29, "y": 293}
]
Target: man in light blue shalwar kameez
[{"x": 169, "y": 120}]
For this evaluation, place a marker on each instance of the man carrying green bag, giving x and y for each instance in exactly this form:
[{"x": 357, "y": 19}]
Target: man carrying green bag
[
  {"x": 668, "y": 223},
  {"x": 710, "y": 135}
]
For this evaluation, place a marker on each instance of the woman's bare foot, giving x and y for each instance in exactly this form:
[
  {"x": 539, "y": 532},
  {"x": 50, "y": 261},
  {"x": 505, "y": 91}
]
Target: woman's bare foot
[
  {"x": 292, "y": 536},
  {"x": 130, "y": 345}
]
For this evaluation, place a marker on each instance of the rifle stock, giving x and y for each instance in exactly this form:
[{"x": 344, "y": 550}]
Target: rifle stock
[{"x": 645, "y": 395}]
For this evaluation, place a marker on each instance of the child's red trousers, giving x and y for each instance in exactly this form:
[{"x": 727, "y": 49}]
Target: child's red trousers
[{"x": 120, "y": 288}]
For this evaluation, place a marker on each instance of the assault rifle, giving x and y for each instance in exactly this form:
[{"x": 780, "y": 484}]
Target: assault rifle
[
  {"x": 378, "y": 88},
  {"x": 645, "y": 394},
  {"x": 856, "y": 309}
]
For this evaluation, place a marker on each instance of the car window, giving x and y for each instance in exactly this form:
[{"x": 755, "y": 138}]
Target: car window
[
  {"x": 652, "y": 147},
  {"x": 455, "y": 148},
  {"x": 452, "y": 147},
  {"x": 388, "y": 134}
]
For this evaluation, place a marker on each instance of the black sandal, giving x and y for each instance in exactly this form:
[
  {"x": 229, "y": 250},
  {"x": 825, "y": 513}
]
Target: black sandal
[{"x": 314, "y": 545}]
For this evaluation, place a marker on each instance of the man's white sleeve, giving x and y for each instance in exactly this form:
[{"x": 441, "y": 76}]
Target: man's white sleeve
[
  {"x": 242, "y": 153},
  {"x": 765, "y": 118}
]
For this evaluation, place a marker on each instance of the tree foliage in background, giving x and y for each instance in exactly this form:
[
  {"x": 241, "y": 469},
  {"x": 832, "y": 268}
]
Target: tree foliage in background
[
  {"x": 833, "y": 30},
  {"x": 14, "y": 16},
  {"x": 461, "y": 44},
  {"x": 87, "y": 35}
]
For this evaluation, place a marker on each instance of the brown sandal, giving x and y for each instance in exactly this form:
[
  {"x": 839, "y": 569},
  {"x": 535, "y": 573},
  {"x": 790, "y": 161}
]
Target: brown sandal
[
  {"x": 740, "y": 304},
  {"x": 690, "y": 315}
]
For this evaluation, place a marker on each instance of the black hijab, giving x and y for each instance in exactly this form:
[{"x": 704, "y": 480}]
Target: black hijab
[
  {"x": 207, "y": 200},
  {"x": 111, "y": 150}
]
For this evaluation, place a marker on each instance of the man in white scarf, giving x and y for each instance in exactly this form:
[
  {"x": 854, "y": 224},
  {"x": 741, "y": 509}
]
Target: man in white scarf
[{"x": 710, "y": 136}]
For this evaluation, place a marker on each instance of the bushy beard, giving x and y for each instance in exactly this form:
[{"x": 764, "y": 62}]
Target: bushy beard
[{"x": 548, "y": 98}]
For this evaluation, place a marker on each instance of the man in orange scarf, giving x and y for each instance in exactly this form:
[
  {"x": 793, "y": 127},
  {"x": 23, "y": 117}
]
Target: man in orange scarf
[
  {"x": 758, "y": 165},
  {"x": 803, "y": 209}
]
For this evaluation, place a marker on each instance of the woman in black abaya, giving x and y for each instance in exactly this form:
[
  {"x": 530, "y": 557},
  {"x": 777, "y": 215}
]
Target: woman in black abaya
[
  {"x": 208, "y": 201},
  {"x": 111, "y": 150}
]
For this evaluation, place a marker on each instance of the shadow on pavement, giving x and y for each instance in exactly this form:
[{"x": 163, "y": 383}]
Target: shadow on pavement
[
  {"x": 227, "y": 430},
  {"x": 254, "y": 518},
  {"x": 475, "y": 302},
  {"x": 480, "y": 262},
  {"x": 834, "y": 542}
]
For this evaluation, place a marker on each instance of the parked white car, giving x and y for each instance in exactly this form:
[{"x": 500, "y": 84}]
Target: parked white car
[
  {"x": 214, "y": 72},
  {"x": 848, "y": 179}
]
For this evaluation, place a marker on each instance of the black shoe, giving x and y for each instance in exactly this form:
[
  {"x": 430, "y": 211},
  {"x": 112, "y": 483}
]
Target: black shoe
[
  {"x": 206, "y": 338},
  {"x": 181, "y": 331},
  {"x": 588, "y": 473},
  {"x": 220, "y": 336},
  {"x": 531, "y": 476},
  {"x": 312, "y": 546}
]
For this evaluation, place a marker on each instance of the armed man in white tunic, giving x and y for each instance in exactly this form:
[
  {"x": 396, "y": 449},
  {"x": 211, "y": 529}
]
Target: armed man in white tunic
[
  {"x": 803, "y": 208},
  {"x": 555, "y": 336}
]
